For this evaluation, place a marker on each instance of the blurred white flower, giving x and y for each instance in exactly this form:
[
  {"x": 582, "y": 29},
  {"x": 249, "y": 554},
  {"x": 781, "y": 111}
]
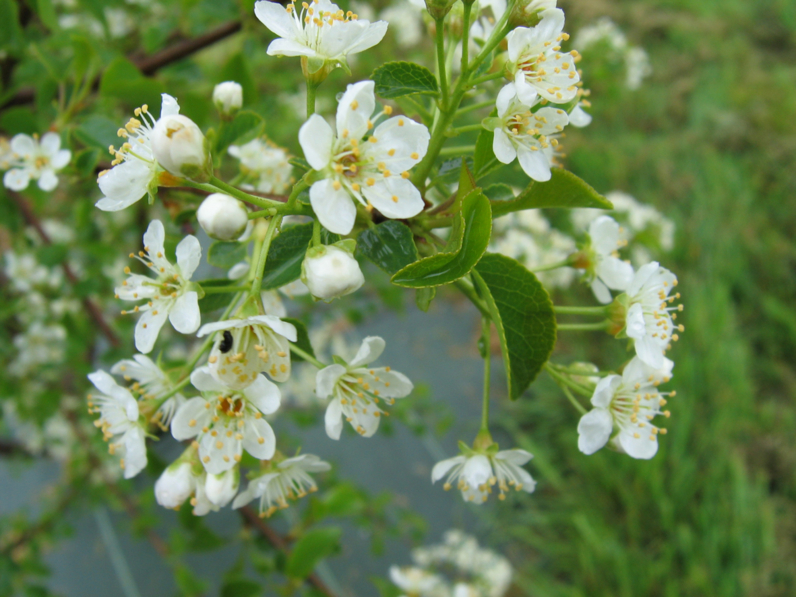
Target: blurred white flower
[
  {"x": 32, "y": 159},
  {"x": 228, "y": 97},
  {"x": 475, "y": 473},
  {"x": 150, "y": 383},
  {"x": 605, "y": 31},
  {"x": 266, "y": 163}
]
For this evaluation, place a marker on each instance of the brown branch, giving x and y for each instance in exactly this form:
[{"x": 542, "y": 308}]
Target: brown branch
[
  {"x": 280, "y": 543},
  {"x": 30, "y": 217},
  {"x": 151, "y": 64},
  {"x": 10, "y": 448}
]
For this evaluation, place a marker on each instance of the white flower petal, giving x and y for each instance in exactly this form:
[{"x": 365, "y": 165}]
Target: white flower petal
[
  {"x": 50, "y": 143},
  {"x": 259, "y": 439},
  {"x": 535, "y": 164},
  {"x": 264, "y": 395},
  {"x": 276, "y": 18},
  {"x": 61, "y": 159},
  {"x": 204, "y": 381},
  {"x": 369, "y": 351},
  {"x": 650, "y": 351},
  {"x": 326, "y": 379},
  {"x": 504, "y": 98},
  {"x": 355, "y": 109},
  {"x": 605, "y": 390},
  {"x": 441, "y": 468},
  {"x": 503, "y": 148},
  {"x": 335, "y": 208},
  {"x": 334, "y": 419},
  {"x": 288, "y": 47},
  {"x": 283, "y": 328},
  {"x": 616, "y": 274},
  {"x": 168, "y": 106},
  {"x": 194, "y": 410},
  {"x": 316, "y": 138},
  {"x": 17, "y": 179},
  {"x": 189, "y": 255},
  {"x": 643, "y": 447},
  {"x": 601, "y": 291},
  {"x": 48, "y": 180},
  {"x": 185, "y": 315},
  {"x": 123, "y": 185},
  {"x": 148, "y": 328},
  {"x": 395, "y": 198},
  {"x": 594, "y": 429},
  {"x": 134, "y": 452}
]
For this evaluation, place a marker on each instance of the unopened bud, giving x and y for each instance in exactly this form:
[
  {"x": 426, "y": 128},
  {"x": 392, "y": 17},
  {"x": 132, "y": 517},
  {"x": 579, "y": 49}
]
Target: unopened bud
[
  {"x": 220, "y": 489},
  {"x": 228, "y": 97},
  {"x": 181, "y": 148},
  {"x": 175, "y": 485},
  {"x": 331, "y": 271},
  {"x": 527, "y": 13},
  {"x": 438, "y": 9},
  {"x": 223, "y": 217}
]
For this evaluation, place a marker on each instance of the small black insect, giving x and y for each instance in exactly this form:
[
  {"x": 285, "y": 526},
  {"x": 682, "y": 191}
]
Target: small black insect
[{"x": 226, "y": 343}]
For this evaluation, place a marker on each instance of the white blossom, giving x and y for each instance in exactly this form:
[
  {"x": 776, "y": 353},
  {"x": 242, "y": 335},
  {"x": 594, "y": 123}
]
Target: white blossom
[
  {"x": 605, "y": 269},
  {"x": 626, "y": 405},
  {"x": 246, "y": 346},
  {"x": 537, "y": 64},
  {"x": 267, "y": 163},
  {"x": 151, "y": 383},
  {"x": 650, "y": 313},
  {"x": 34, "y": 159},
  {"x": 170, "y": 294},
  {"x": 185, "y": 479},
  {"x": 135, "y": 171},
  {"x": 373, "y": 172},
  {"x": 119, "y": 421},
  {"x": 180, "y": 147},
  {"x": 287, "y": 480},
  {"x": 228, "y": 97},
  {"x": 476, "y": 473},
  {"x": 40, "y": 345},
  {"x": 605, "y": 31},
  {"x": 175, "y": 485},
  {"x": 24, "y": 272},
  {"x": 331, "y": 272},
  {"x": 225, "y": 421},
  {"x": 407, "y": 23},
  {"x": 223, "y": 217},
  {"x": 416, "y": 581},
  {"x": 356, "y": 390},
  {"x": 526, "y": 135},
  {"x": 317, "y": 30}
]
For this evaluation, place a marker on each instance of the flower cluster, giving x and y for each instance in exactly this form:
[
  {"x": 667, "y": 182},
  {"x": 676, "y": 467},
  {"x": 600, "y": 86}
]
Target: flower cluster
[{"x": 458, "y": 567}]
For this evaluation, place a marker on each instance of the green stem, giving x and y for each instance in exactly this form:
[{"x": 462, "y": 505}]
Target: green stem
[
  {"x": 173, "y": 391},
  {"x": 580, "y": 372},
  {"x": 596, "y": 311},
  {"x": 216, "y": 184},
  {"x": 466, "y": 37},
  {"x": 468, "y": 290},
  {"x": 468, "y": 128},
  {"x": 474, "y": 107},
  {"x": 546, "y": 268},
  {"x": 460, "y": 150},
  {"x": 443, "y": 77},
  {"x": 306, "y": 356},
  {"x": 269, "y": 236},
  {"x": 440, "y": 222},
  {"x": 316, "y": 233},
  {"x": 312, "y": 89},
  {"x": 225, "y": 289},
  {"x": 563, "y": 380},
  {"x": 486, "y": 78},
  {"x": 584, "y": 327},
  {"x": 573, "y": 400},
  {"x": 486, "y": 327}
]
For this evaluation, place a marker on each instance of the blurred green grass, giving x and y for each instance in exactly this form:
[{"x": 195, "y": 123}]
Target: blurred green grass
[{"x": 709, "y": 140}]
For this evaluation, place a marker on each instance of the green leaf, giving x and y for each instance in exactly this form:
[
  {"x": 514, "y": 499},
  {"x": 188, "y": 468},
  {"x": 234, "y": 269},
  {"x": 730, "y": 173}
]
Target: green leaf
[
  {"x": 213, "y": 302},
  {"x": 84, "y": 54},
  {"x": 46, "y": 12},
  {"x": 523, "y": 315},
  {"x": 300, "y": 163},
  {"x": 499, "y": 192},
  {"x": 468, "y": 242},
  {"x": 484, "y": 160},
  {"x": 99, "y": 132},
  {"x": 122, "y": 80},
  {"x": 19, "y": 119},
  {"x": 564, "y": 190},
  {"x": 397, "y": 79},
  {"x": 238, "y": 68},
  {"x": 423, "y": 298},
  {"x": 86, "y": 161},
  {"x": 302, "y": 338},
  {"x": 390, "y": 245},
  {"x": 243, "y": 128},
  {"x": 226, "y": 254},
  {"x": 10, "y": 33},
  {"x": 241, "y": 588},
  {"x": 283, "y": 265},
  {"x": 310, "y": 549}
]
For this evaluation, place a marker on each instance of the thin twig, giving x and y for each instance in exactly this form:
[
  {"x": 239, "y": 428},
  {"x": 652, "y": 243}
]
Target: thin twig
[
  {"x": 151, "y": 64},
  {"x": 280, "y": 543},
  {"x": 30, "y": 217}
]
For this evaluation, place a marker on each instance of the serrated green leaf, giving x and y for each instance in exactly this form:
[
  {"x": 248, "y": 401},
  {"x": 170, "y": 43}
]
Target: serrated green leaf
[
  {"x": 310, "y": 549},
  {"x": 283, "y": 265},
  {"x": 226, "y": 254},
  {"x": 302, "y": 338},
  {"x": 564, "y": 190},
  {"x": 523, "y": 316},
  {"x": 450, "y": 171},
  {"x": 484, "y": 160},
  {"x": 243, "y": 128},
  {"x": 468, "y": 242},
  {"x": 397, "y": 79},
  {"x": 390, "y": 245},
  {"x": 499, "y": 192}
]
